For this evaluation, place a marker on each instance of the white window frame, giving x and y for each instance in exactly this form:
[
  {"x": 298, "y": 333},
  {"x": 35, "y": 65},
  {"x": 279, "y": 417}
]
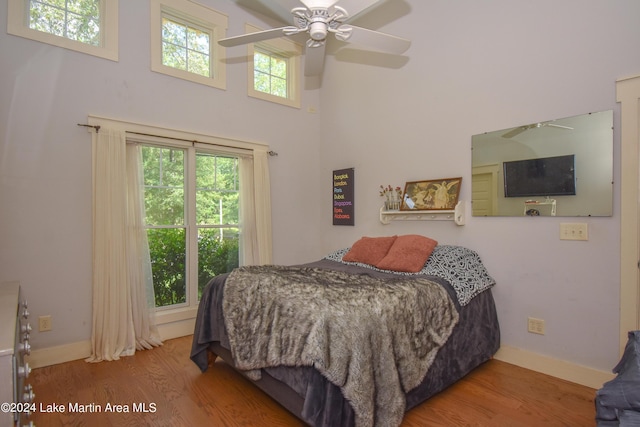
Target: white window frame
[
  {"x": 287, "y": 49},
  {"x": 190, "y": 225},
  {"x": 199, "y": 16},
  {"x": 18, "y": 25},
  {"x": 156, "y": 135}
]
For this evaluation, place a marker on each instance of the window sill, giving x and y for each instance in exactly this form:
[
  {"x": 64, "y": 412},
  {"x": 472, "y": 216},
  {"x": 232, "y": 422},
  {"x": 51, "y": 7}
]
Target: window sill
[{"x": 175, "y": 315}]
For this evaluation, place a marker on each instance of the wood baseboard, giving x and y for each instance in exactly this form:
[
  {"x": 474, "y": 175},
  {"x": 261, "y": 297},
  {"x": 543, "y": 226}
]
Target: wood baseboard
[
  {"x": 82, "y": 349},
  {"x": 555, "y": 367},
  {"x": 59, "y": 354}
]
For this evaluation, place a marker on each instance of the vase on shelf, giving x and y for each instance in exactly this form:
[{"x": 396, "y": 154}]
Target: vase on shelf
[
  {"x": 392, "y": 197},
  {"x": 392, "y": 203}
]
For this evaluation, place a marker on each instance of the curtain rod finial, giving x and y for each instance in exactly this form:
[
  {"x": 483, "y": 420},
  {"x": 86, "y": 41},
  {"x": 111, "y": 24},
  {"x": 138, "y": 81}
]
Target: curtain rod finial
[{"x": 96, "y": 127}]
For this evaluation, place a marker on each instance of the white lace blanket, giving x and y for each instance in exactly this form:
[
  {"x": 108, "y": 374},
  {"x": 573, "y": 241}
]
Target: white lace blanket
[{"x": 373, "y": 338}]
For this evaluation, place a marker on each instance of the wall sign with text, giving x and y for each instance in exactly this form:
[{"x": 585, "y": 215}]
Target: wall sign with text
[{"x": 343, "y": 197}]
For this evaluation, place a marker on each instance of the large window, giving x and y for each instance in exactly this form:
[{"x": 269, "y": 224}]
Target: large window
[
  {"x": 192, "y": 219},
  {"x": 184, "y": 41},
  {"x": 88, "y": 26},
  {"x": 207, "y": 209},
  {"x": 274, "y": 70}
]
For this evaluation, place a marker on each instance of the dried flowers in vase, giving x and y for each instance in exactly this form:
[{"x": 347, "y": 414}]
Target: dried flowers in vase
[{"x": 392, "y": 197}]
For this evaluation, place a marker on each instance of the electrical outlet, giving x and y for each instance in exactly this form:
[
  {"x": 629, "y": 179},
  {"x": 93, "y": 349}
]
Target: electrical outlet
[
  {"x": 574, "y": 231},
  {"x": 44, "y": 323},
  {"x": 535, "y": 326}
]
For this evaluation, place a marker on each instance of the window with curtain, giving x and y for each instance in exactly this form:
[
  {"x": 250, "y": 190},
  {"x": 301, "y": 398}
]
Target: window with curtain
[
  {"x": 171, "y": 209},
  {"x": 192, "y": 219}
]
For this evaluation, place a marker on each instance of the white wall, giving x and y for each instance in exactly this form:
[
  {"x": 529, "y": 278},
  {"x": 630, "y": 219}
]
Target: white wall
[
  {"x": 45, "y": 159},
  {"x": 482, "y": 66},
  {"x": 473, "y": 67}
]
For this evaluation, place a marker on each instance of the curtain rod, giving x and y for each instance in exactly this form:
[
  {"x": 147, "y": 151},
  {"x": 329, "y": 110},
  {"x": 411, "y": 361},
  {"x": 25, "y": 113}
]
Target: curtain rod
[
  {"x": 193, "y": 141},
  {"x": 96, "y": 127}
]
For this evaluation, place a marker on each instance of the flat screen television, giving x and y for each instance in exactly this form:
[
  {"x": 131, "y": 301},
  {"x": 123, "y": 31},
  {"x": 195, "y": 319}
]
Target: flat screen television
[{"x": 548, "y": 176}]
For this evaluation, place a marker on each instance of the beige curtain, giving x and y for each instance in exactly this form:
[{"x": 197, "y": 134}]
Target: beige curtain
[
  {"x": 122, "y": 320},
  {"x": 255, "y": 205},
  {"x": 138, "y": 256}
]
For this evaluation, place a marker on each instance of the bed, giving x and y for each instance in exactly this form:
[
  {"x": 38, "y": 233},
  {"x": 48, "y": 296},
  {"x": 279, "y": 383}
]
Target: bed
[{"x": 344, "y": 342}]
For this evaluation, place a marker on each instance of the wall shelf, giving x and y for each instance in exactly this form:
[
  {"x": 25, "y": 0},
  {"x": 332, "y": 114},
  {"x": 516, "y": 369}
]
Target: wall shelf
[
  {"x": 456, "y": 215},
  {"x": 534, "y": 204}
]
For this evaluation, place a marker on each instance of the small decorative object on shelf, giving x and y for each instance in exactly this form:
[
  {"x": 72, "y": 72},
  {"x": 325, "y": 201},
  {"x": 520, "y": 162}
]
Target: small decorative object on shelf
[
  {"x": 392, "y": 197},
  {"x": 457, "y": 215}
]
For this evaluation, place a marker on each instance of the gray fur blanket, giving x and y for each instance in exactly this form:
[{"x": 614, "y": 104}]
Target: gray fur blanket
[{"x": 373, "y": 338}]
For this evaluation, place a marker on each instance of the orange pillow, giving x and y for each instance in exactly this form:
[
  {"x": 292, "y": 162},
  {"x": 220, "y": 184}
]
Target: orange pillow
[
  {"x": 369, "y": 250},
  {"x": 409, "y": 253}
]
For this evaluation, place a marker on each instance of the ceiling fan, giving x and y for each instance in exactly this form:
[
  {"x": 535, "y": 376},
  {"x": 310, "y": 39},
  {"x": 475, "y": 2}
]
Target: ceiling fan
[
  {"x": 517, "y": 131},
  {"x": 318, "y": 18}
]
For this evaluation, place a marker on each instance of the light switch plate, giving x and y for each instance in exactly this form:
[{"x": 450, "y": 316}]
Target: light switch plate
[{"x": 574, "y": 231}]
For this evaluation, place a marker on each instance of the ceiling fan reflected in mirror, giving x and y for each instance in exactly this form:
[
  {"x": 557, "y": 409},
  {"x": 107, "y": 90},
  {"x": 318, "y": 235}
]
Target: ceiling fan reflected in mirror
[
  {"x": 517, "y": 131},
  {"x": 319, "y": 18}
]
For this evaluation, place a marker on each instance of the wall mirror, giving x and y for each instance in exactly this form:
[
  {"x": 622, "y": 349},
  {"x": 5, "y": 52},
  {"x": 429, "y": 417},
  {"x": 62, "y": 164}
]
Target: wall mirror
[{"x": 561, "y": 167}]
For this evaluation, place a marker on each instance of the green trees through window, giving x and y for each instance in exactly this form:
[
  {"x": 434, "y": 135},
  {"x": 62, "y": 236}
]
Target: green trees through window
[
  {"x": 191, "y": 239},
  {"x": 270, "y": 73},
  {"x": 77, "y": 20},
  {"x": 185, "y": 47}
]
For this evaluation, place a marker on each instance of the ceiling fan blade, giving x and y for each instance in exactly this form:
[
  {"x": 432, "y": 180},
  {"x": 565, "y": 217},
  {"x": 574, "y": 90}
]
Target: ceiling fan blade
[
  {"x": 314, "y": 60},
  {"x": 253, "y": 37},
  {"x": 358, "y": 7},
  {"x": 515, "y": 132},
  {"x": 559, "y": 126},
  {"x": 322, "y": 4},
  {"x": 276, "y": 9},
  {"x": 376, "y": 40}
]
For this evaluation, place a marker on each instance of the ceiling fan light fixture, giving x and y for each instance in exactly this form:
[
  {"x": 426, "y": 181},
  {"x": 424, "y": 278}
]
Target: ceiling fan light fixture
[{"x": 318, "y": 30}]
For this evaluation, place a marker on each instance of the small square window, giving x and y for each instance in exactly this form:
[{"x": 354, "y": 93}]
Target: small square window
[
  {"x": 186, "y": 47},
  {"x": 184, "y": 41},
  {"x": 270, "y": 73},
  {"x": 274, "y": 70}
]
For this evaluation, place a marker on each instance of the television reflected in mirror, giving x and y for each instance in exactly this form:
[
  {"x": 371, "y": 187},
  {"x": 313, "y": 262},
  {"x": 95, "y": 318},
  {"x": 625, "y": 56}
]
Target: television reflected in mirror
[{"x": 561, "y": 167}]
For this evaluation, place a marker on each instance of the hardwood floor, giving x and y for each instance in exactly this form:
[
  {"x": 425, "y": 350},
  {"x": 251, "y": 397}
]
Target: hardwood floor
[{"x": 172, "y": 389}]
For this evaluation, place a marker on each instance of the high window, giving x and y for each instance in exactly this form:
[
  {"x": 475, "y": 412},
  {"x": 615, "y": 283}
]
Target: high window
[
  {"x": 185, "y": 46},
  {"x": 184, "y": 41},
  {"x": 192, "y": 219},
  {"x": 88, "y": 26},
  {"x": 270, "y": 73},
  {"x": 274, "y": 70}
]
